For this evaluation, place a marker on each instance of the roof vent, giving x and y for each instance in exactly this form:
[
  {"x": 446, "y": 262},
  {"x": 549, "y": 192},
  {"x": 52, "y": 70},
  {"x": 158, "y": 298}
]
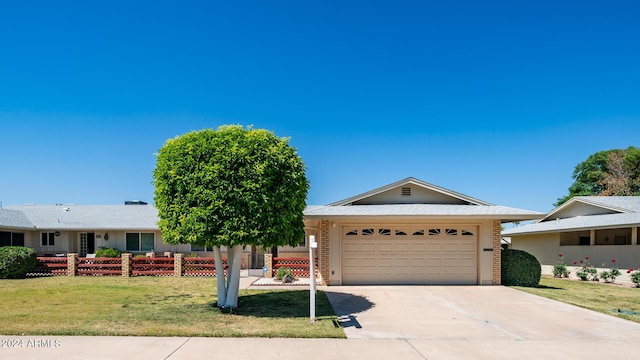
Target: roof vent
[
  {"x": 135, "y": 202},
  {"x": 406, "y": 191}
]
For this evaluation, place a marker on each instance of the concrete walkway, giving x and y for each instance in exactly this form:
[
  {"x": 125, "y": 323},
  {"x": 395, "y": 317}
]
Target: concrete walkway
[{"x": 405, "y": 322}]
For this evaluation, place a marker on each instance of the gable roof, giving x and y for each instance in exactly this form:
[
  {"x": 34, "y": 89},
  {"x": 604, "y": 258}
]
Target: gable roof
[
  {"x": 431, "y": 194},
  {"x": 88, "y": 217},
  {"x": 594, "y": 205},
  {"x": 586, "y": 212},
  {"x": 411, "y": 198}
]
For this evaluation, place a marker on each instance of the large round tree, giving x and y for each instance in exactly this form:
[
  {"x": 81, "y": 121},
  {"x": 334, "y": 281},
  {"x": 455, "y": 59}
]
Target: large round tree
[
  {"x": 613, "y": 172},
  {"x": 230, "y": 187}
]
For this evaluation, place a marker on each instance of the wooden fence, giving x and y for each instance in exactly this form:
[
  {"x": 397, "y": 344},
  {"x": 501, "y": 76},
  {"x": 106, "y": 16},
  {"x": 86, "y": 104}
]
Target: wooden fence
[
  {"x": 49, "y": 266},
  {"x": 155, "y": 266},
  {"x": 299, "y": 266},
  {"x": 72, "y": 265},
  {"x": 200, "y": 266},
  {"x": 99, "y": 266},
  {"x": 137, "y": 266}
]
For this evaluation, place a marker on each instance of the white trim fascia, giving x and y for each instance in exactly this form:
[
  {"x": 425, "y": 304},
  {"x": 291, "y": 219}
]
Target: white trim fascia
[
  {"x": 584, "y": 200},
  {"x": 414, "y": 181}
]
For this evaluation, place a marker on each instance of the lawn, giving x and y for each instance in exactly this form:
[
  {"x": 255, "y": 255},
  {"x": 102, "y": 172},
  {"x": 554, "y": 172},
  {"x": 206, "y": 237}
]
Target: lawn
[
  {"x": 156, "y": 306},
  {"x": 604, "y": 298}
]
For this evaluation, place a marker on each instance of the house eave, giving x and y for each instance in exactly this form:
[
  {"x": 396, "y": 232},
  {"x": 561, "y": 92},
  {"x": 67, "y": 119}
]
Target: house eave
[
  {"x": 512, "y": 232},
  {"x": 502, "y": 218}
]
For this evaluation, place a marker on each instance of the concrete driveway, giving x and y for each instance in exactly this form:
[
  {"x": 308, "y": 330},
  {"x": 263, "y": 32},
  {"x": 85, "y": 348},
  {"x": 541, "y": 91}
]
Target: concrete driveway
[
  {"x": 382, "y": 323},
  {"x": 448, "y": 322}
]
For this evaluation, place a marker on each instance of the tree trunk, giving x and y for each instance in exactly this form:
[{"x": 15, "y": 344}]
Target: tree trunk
[
  {"x": 228, "y": 286},
  {"x": 220, "y": 279},
  {"x": 234, "y": 259}
]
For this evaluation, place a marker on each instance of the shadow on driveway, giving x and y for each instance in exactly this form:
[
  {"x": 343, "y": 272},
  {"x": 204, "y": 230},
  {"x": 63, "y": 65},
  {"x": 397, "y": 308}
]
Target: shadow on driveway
[{"x": 346, "y": 306}]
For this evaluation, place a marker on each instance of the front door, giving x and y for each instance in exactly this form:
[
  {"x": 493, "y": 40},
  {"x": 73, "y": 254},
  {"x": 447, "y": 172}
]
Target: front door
[
  {"x": 257, "y": 257},
  {"x": 87, "y": 244}
]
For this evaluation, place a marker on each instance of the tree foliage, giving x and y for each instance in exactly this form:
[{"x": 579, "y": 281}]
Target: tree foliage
[
  {"x": 230, "y": 186},
  {"x": 607, "y": 173}
]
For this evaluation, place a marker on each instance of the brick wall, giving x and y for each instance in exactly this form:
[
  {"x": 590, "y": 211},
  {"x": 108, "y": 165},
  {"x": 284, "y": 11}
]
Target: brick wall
[
  {"x": 497, "y": 250},
  {"x": 268, "y": 262},
  {"x": 323, "y": 249}
]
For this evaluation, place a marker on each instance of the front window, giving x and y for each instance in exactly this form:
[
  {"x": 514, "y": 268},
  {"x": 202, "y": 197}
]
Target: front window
[
  {"x": 140, "y": 241},
  {"x": 196, "y": 247},
  {"x": 48, "y": 239},
  {"x": 11, "y": 239}
]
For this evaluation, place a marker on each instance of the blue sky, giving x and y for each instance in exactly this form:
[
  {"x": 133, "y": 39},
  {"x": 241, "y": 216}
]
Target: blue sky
[{"x": 498, "y": 100}]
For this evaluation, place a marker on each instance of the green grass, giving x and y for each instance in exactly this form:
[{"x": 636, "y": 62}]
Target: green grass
[
  {"x": 604, "y": 298},
  {"x": 156, "y": 306}
]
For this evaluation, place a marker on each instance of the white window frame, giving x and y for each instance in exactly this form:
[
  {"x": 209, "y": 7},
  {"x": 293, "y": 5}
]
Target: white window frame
[
  {"x": 139, "y": 249},
  {"x": 50, "y": 240}
]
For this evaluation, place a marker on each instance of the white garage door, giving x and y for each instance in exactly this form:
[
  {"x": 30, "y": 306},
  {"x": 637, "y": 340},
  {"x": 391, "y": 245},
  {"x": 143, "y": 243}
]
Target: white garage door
[{"x": 409, "y": 255}]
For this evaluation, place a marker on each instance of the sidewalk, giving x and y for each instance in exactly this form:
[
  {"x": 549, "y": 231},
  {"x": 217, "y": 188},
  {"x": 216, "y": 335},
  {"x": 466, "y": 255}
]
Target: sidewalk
[
  {"x": 451, "y": 328},
  {"x": 149, "y": 348}
]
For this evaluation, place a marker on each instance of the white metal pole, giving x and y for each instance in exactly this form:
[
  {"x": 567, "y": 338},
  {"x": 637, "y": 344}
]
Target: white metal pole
[{"x": 312, "y": 285}]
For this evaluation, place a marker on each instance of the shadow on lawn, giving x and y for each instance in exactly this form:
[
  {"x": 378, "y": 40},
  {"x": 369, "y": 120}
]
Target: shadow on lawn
[
  {"x": 282, "y": 304},
  {"x": 549, "y": 287}
]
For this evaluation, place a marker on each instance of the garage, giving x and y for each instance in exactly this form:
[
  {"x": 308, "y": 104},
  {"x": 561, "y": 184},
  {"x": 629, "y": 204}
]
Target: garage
[
  {"x": 435, "y": 254},
  {"x": 410, "y": 233}
]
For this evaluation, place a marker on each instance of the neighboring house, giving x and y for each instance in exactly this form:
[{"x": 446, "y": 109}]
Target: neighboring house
[
  {"x": 54, "y": 229},
  {"x": 600, "y": 227},
  {"x": 408, "y": 232}
]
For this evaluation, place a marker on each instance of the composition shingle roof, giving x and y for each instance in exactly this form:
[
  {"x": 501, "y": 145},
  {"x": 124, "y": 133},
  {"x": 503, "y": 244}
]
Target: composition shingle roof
[
  {"x": 577, "y": 223},
  {"x": 627, "y": 208},
  {"x": 96, "y": 217},
  {"x": 623, "y": 203},
  {"x": 423, "y": 210},
  {"x": 14, "y": 219}
]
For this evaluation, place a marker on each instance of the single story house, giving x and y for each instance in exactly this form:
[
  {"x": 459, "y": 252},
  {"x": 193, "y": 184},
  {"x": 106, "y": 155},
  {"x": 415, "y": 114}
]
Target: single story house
[
  {"x": 410, "y": 232},
  {"x": 602, "y": 228},
  {"x": 407, "y": 232},
  {"x": 54, "y": 229}
]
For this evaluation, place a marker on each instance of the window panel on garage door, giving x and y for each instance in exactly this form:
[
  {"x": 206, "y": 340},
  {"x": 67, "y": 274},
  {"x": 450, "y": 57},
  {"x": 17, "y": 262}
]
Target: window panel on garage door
[{"x": 410, "y": 255}]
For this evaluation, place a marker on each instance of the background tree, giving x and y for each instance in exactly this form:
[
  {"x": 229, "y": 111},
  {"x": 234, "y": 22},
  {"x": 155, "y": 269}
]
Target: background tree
[
  {"x": 607, "y": 173},
  {"x": 230, "y": 187}
]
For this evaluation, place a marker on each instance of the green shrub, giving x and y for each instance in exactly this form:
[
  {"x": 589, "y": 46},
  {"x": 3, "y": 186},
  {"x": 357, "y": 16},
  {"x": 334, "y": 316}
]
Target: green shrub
[
  {"x": 560, "y": 268},
  {"x": 285, "y": 275},
  {"x": 611, "y": 275},
  {"x": 587, "y": 272},
  {"x": 108, "y": 252},
  {"x": 519, "y": 268},
  {"x": 635, "y": 276},
  {"x": 16, "y": 262}
]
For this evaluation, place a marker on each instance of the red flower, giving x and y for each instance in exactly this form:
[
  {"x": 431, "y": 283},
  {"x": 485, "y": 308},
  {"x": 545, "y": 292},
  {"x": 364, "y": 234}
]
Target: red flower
[
  {"x": 613, "y": 261},
  {"x": 559, "y": 255},
  {"x": 586, "y": 257},
  {"x": 575, "y": 263},
  {"x": 629, "y": 271},
  {"x": 581, "y": 261}
]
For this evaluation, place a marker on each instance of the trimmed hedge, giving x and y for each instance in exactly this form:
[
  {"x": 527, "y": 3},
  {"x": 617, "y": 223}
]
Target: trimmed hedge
[
  {"x": 108, "y": 252},
  {"x": 16, "y": 262},
  {"x": 519, "y": 268}
]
